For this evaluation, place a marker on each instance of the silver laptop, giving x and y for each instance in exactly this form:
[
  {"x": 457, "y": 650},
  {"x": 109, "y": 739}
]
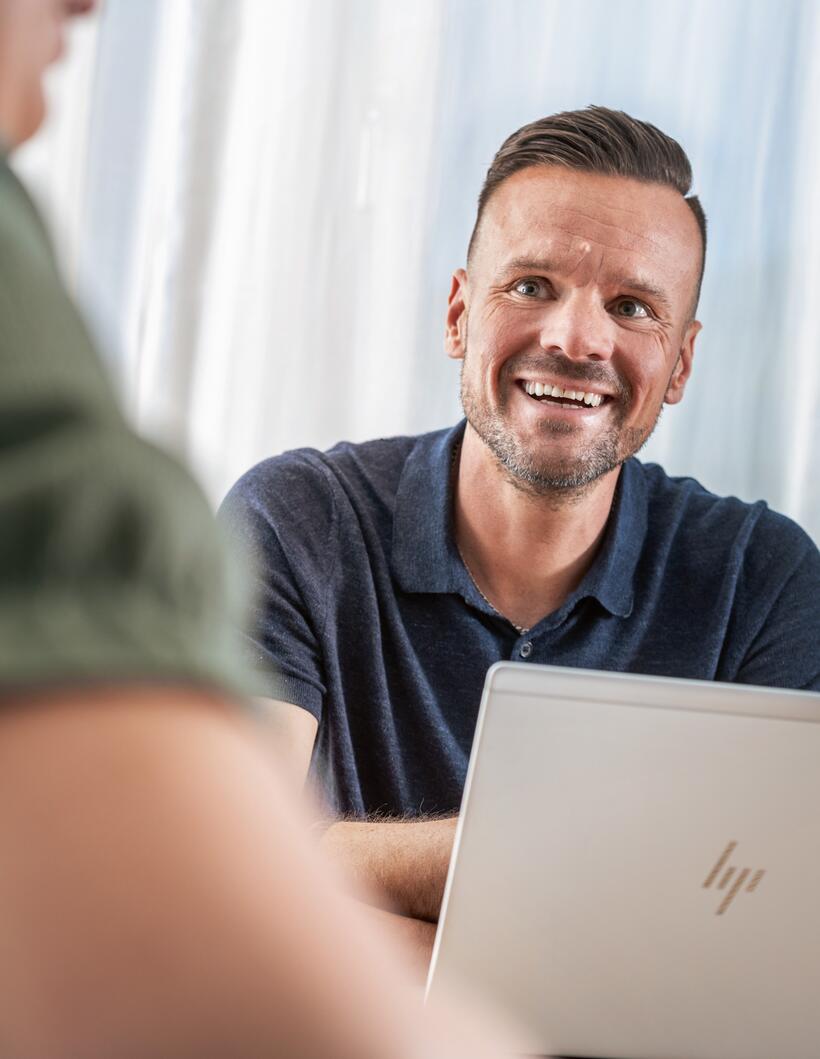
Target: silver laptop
[{"x": 636, "y": 870}]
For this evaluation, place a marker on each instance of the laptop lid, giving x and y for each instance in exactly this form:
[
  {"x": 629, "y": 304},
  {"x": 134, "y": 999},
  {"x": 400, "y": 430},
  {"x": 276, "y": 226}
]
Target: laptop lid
[{"x": 636, "y": 869}]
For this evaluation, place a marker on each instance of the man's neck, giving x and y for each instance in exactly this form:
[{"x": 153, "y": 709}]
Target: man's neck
[{"x": 526, "y": 552}]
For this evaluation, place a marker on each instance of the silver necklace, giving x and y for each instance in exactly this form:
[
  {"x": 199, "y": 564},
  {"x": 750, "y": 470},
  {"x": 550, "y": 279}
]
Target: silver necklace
[{"x": 492, "y": 606}]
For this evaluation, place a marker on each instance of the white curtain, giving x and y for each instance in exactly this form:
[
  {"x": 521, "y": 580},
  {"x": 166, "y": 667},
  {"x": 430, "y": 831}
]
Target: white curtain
[{"x": 261, "y": 204}]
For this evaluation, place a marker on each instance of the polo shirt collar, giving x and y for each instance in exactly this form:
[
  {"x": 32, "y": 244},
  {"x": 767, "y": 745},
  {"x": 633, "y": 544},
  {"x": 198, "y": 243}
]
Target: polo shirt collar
[
  {"x": 425, "y": 557},
  {"x": 424, "y": 553},
  {"x": 611, "y": 578}
]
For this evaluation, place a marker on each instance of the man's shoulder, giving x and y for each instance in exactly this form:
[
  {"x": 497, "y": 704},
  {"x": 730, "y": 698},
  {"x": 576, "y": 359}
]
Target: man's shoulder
[
  {"x": 683, "y": 507},
  {"x": 307, "y": 480}
]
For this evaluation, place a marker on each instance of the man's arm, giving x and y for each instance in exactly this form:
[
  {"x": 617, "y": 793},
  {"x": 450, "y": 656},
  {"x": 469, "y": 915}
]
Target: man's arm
[
  {"x": 290, "y": 734},
  {"x": 161, "y": 900},
  {"x": 400, "y": 867},
  {"x": 401, "y": 864},
  {"x": 405, "y": 860},
  {"x": 785, "y": 651}
]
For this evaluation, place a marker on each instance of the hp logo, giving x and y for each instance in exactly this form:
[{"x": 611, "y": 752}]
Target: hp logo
[{"x": 730, "y": 880}]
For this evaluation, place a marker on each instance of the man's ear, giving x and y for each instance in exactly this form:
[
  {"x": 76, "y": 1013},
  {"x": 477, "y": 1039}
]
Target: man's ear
[
  {"x": 456, "y": 321},
  {"x": 683, "y": 367}
]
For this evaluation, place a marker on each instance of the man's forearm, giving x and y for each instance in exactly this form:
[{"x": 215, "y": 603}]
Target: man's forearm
[{"x": 402, "y": 864}]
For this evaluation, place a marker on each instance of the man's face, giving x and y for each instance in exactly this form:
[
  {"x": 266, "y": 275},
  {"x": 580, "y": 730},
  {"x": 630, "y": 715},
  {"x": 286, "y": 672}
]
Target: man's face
[
  {"x": 578, "y": 283},
  {"x": 31, "y": 38}
]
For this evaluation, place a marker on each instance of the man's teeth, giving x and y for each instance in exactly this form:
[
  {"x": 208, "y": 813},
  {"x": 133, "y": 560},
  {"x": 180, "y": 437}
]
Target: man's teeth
[{"x": 537, "y": 389}]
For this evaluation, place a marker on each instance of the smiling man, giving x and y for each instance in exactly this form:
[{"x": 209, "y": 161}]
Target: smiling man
[{"x": 394, "y": 573}]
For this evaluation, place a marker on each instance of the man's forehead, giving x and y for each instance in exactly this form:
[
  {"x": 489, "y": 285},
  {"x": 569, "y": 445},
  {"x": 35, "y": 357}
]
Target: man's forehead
[{"x": 558, "y": 212}]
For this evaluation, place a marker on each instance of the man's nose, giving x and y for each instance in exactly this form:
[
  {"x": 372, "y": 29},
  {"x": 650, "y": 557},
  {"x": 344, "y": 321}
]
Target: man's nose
[{"x": 580, "y": 328}]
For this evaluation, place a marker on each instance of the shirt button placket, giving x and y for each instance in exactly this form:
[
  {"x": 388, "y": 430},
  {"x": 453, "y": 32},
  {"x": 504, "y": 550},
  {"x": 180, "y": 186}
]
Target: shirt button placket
[{"x": 525, "y": 650}]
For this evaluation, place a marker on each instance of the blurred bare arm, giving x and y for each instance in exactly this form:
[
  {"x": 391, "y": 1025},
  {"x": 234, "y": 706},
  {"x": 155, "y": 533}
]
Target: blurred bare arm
[
  {"x": 160, "y": 900},
  {"x": 413, "y": 938}
]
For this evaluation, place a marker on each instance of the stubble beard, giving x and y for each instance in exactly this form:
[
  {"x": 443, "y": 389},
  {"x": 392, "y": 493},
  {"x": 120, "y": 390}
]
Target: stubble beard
[{"x": 551, "y": 476}]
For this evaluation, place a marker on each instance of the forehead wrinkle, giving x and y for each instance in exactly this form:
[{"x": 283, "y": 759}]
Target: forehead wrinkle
[
  {"x": 606, "y": 203},
  {"x": 558, "y": 252},
  {"x": 566, "y": 258},
  {"x": 607, "y": 224},
  {"x": 551, "y": 224}
]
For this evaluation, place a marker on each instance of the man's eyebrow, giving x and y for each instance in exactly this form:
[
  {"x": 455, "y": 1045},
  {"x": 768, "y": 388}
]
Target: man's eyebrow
[
  {"x": 536, "y": 264},
  {"x": 632, "y": 284},
  {"x": 642, "y": 287}
]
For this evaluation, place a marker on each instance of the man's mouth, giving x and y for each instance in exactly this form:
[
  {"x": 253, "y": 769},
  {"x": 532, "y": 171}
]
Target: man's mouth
[{"x": 568, "y": 398}]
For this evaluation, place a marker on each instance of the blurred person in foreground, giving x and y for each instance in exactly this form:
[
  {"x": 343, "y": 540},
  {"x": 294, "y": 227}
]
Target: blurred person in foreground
[{"x": 157, "y": 898}]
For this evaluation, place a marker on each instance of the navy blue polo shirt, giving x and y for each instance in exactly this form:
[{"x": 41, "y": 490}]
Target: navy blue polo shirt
[{"x": 367, "y": 617}]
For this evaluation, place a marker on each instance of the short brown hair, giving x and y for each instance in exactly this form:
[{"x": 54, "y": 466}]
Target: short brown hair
[{"x": 597, "y": 140}]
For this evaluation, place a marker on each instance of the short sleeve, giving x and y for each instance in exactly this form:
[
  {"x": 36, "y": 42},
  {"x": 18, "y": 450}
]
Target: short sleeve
[
  {"x": 111, "y": 567},
  {"x": 784, "y": 645},
  {"x": 281, "y": 517}
]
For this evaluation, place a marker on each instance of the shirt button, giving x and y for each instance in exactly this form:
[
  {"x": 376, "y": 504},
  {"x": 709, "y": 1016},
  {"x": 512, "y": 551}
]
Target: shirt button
[{"x": 525, "y": 649}]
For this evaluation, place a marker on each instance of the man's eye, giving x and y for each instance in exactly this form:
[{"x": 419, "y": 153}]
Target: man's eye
[
  {"x": 631, "y": 309},
  {"x": 530, "y": 288}
]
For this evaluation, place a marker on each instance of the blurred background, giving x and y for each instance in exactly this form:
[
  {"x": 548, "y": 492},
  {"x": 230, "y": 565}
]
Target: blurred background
[{"x": 260, "y": 205}]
